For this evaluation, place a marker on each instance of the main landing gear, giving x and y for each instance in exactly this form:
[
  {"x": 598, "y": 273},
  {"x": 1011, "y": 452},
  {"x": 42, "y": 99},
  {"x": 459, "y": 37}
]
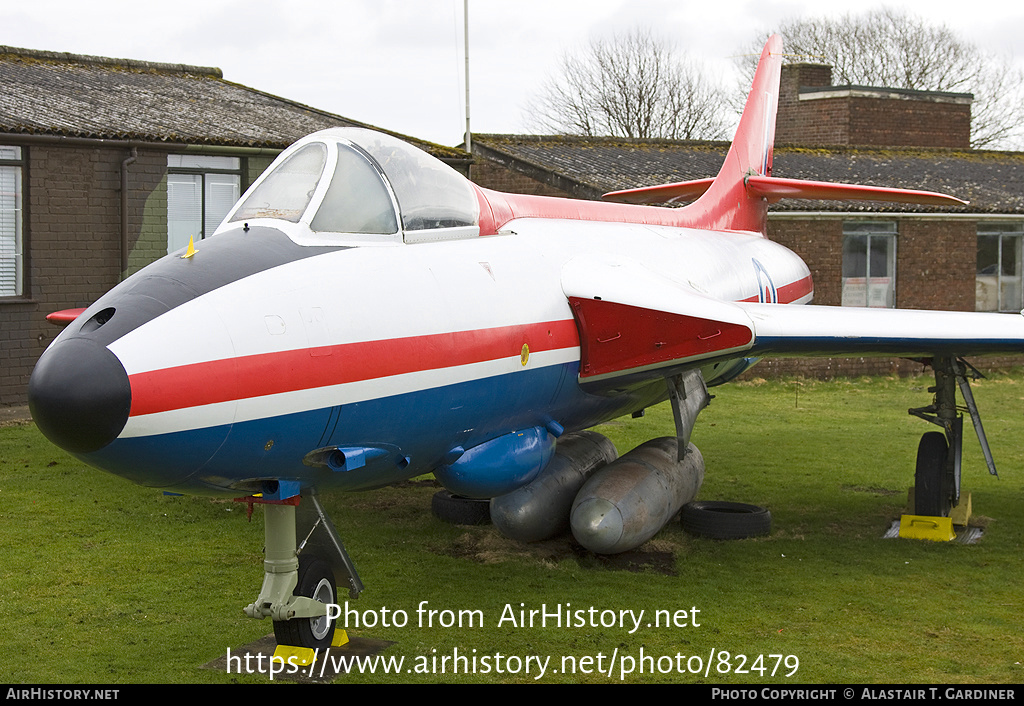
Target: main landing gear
[
  {"x": 299, "y": 580},
  {"x": 937, "y": 474}
]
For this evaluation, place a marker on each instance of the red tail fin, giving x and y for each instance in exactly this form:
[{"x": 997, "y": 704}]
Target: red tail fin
[
  {"x": 727, "y": 205},
  {"x": 738, "y": 198}
]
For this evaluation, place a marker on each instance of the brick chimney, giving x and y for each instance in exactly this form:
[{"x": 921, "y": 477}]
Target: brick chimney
[{"x": 814, "y": 112}]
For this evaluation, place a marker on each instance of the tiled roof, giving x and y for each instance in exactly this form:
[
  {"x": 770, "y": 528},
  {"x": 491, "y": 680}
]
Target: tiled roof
[
  {"x": 53, "y": 93},
  {"x": 993, "y": 182}
]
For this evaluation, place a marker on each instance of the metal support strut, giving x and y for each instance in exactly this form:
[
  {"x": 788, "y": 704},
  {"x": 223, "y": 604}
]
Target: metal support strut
[
  {"x": 281, "y": 558},
  {"x": 972, "y": 409},
  {"x": 280, "y": 571},
  {"x": 689, "y": 395},
  {"x": 322, "y": 539}
]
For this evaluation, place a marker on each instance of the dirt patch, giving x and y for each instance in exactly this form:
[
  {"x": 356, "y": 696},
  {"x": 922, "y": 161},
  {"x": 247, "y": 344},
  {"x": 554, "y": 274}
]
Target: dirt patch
[
  {"x": 416, "y": 483},
  {"x": 874, "y": 490},
  {"x": 487, "y": 546},
  {"x": 637, "y": 560}
]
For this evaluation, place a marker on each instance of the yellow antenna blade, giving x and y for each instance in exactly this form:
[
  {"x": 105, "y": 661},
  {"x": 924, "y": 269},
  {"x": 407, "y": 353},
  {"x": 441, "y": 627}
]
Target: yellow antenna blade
[{"x": 191, "y": 249}]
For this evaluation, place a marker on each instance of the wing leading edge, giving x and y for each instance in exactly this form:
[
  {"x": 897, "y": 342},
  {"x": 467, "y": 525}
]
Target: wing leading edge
[{"x": 911, "y": 333}]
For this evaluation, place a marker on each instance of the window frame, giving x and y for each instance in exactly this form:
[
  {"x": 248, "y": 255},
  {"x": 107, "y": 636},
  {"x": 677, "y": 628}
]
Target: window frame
[
  {"x": 1001, "y": 230},
  {"x": 197, "y": 169},
  {"x": 872, "y": 231},
  {"x": 21, "y": 244}
]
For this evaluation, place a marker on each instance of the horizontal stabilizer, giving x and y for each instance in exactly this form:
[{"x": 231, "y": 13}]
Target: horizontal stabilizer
[
  {"x": 774, "y": 188},
  {"x": 665, "y": 193}
]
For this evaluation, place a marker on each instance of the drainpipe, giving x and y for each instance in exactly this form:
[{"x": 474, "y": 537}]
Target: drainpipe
[{"x": 124, "y": 210}]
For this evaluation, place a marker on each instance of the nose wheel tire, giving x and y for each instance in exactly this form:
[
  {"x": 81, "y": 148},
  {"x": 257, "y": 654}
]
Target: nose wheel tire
[{"x": 316, "y": 581}]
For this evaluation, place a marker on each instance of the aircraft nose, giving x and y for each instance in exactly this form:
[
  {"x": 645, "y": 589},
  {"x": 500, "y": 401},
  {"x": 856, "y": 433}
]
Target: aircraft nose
[{"x": 79, "y": 395}]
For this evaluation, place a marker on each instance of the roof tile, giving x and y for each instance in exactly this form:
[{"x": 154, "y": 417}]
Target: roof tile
[
  {"x": 993, "y": 182},
  {"x": 53, "y": 93}
]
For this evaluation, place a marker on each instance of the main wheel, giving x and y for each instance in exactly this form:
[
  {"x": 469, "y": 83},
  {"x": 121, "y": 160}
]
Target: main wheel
[
  {"x": 316, "y": 581},
  {"x": 931, "y": 490}
]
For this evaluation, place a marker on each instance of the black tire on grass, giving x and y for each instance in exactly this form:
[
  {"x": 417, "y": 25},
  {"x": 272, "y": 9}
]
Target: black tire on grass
[
  {"x": 931, "y": 492},
  {"x": 725, "y": 520},
  {"x": 457, "y": 510}
]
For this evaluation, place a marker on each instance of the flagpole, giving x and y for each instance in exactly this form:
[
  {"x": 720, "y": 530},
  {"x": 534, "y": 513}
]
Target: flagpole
[{"x": 465, "y": 15}]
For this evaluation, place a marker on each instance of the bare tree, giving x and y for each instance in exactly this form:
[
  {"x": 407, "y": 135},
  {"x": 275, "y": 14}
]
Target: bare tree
[
  {"x": 631, "y": 85},
  {"x": 893, "y": 49}
]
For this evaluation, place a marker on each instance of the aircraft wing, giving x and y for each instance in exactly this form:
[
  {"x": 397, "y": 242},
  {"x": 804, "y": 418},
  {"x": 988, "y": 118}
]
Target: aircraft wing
[
  {"x": 635, "y": 325},
  {"x": 632, "y": 321},
  {"x": 911, "y": 333}
]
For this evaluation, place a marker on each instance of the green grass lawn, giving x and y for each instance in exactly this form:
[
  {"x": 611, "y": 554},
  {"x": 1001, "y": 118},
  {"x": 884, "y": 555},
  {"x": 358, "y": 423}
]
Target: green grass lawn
[{"x": 106, "y": 582}]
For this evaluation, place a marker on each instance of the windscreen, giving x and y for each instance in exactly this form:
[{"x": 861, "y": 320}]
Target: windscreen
[{"x": 285, "y": 192}]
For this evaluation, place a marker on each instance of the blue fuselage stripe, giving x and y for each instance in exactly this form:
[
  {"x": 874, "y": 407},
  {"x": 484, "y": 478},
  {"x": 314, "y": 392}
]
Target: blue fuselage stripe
[{"x": 420, "y": 426}]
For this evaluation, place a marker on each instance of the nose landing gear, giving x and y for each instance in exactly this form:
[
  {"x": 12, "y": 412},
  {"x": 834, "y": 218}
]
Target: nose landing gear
[{"x": 300, "y": 579}]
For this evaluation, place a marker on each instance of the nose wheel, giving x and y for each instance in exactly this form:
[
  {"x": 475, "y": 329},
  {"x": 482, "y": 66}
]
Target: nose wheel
[{"x": 316, "y": 581}]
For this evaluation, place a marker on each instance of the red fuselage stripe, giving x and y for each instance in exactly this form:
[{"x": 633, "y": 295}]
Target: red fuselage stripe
[
  {"x": 288, "y": 371},
  {"x": 789, "y": 293}
]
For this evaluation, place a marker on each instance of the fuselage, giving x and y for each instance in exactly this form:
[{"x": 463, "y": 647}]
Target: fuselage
[{"x": 264, "y": 346}]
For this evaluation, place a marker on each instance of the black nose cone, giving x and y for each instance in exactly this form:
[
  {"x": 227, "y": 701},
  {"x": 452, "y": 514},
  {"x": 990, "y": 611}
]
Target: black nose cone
[{"x": 79, "y": 395}]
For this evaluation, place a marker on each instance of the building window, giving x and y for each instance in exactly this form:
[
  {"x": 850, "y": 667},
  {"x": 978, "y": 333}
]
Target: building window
[
  {"x": 869, "y": 264},
  {"x": 12, "y": 265},
  {"x": 201, "y": 189},
  {"x": 997, "y": 285}
]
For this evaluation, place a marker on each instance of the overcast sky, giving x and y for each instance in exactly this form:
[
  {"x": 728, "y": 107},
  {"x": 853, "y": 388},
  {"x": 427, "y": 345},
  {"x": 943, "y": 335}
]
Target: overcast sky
[{"x": 398, "y": 64}]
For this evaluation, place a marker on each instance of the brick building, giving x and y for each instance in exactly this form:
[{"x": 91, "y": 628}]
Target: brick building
[
  {"x": 813, "y": 111},
  {"x": 109, "y": 164},
  {"x": 863, "y": 254}
]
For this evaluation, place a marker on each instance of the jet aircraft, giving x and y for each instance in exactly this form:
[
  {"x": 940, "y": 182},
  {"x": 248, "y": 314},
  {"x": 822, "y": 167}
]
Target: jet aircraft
[{"x": 365, "y": 315}]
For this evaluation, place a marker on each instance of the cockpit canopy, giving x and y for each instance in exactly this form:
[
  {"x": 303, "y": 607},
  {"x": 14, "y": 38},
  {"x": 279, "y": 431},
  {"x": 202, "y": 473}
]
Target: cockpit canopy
[{"x": 357, "y": 186}]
